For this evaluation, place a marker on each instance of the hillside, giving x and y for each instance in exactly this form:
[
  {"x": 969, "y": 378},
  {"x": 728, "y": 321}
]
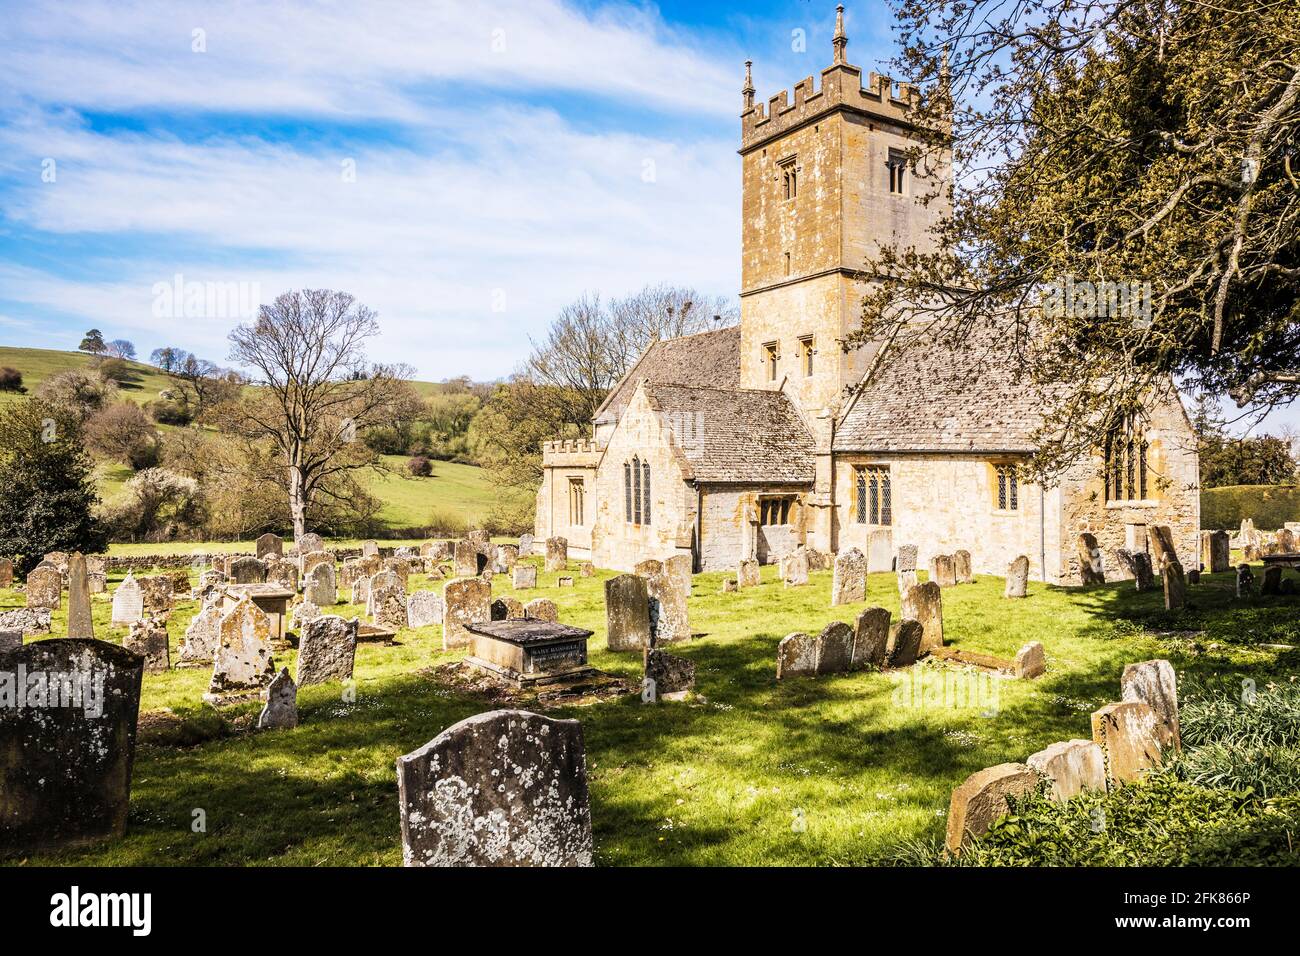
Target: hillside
[{"x": 39, "y": 364}]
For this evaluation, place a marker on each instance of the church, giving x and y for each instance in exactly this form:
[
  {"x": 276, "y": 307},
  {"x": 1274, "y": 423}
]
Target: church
[{"x": 749, "y": 441}]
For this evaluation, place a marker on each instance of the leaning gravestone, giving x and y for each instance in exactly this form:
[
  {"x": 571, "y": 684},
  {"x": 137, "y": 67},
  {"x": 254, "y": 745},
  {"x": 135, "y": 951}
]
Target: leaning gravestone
[
  {"x": 627, "y": 613},
  {"x": 243, "y": 659},
  {"x": 128, "y": 602},
  {"x": 281, "y": 710},
  {"x": 835, "y": 648},
  {"x": 557, "y": 554},
  {"x": 1129, "y": 734},
  {"x": 67, "y": 743},
  {"x": 319, "y": 587},
  {"x": 424, "y": 609},
  {"x": 81, "y": 622},
  {"x": 796, "y": 656},
  {"x": 248, "y": 571},
  {"x": 1271, "y": 584},
  {"x": 1155, "y": 684},
  {"x": 962, "y": 567},
  {"x": 943, "y": 570},
  {"x": 466, "y": 601},
  {"x": 667, "y": 673},
  {"x": 849, "y": 581},
  {"x": 982, "y": 798},
  {"x": 148, "y": 638},
  {"x": 202, "y": 636},
  {"x": 924, "y": 604},
  {"x": 1072, "y": 766},
  {"x": 870, "y": 638},
  {"x": 904, "y": 643},
  {"x": 1090, "y": 566},
  {"x": 45, "y": 588},
  {"x": 794, "y": 568},
  {"x": 1175, "y": 586},
  {"x": 1144, "y": 578},
  {"x": 270, "y": 545},
  {"x": 748, "y": 575},
  {"x": 327, "y": 650},
  {"x": 505, "y": 788},
  {"x": 1017, "y": 578},
  {"x": 1162, "y": 545},
  {"x": 1031, "y": 661},
  {"x": 524, "y": 576}
]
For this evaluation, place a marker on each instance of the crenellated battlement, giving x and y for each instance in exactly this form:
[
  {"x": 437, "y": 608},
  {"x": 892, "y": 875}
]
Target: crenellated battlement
[
  {"x": 571, "y": 452},
  {"x": 841, "y": 88}
]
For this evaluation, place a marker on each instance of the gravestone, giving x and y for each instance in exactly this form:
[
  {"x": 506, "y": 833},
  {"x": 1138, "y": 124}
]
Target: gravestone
[
  {"x": 247, "y": 571},
  {"x": 1155, "y": 684},
  {"x": 1285, "y": 541},
  {"x": 627, "y": 613},
  {"x": 465, "y": 559},
  {"x": 904, "y": 643},
  {"x": 507, "y": 557},
  {"x": 505, "y": 788},
  {"x": 370, "y": 549},
  {"x": 303, "y": 612},
  {"x": 542, "y": 609},
  {"x": 281, "y": 710},
  {"x": 1245, "y": 581},
  {"x": 310, "y": 542},
  {"x": 465, "y": 601},
  {"x": 424, "y": 609},
  {"x": 1017, "y": 578},
  {"x": 982, "y": 798},
  {"x": 202, "y": 636},
  {"x": 870, "y": 638},
  {"x": 525, "y": 545},
  {"x": 669, "y": 613},
  {"x": 148, "y": 638},
  {"x": 401, "y": 567},
  {"x": 388, "y": 605},
  {"x": 748, "y": 574},
  {"x": 269, "y": 545},
  {"x": 586, "y": 569},
  {"x": 128, "y": 602},
  {"x": 880, "y": 550},
  {"x": 524, "y": 576},
  {"x": 794, "y": 568},
  {"x": 97, "y": 582},
  {"x": 10, "y": 640},
  {"x": 507, "y": 609},
  {"x": 1129, "y": 733},
  {"x": 564, "y": 582},
  {"x": 906, "y": 579},
  {"x": 282, "y": 572},
  {"x": 1031, "y": 661},
  {"x": 1072, "y": 766},
  {"x": 849, "y": 580},
  {"x": 1271, "y": 583},
  {"x": 671, "y": 675},
  {"x": 943, "y": 570},
  {"x": 243, "y": 658},
  {"x": 158, "y": 594},
  {"x": 384, "y": 579},
  {"x": 45, "y": 588},
  {"x": 26, "y": 620},
  {"x": 557, "y": 554},
  {"x": 835, "y": 648},
  {"x": 327, "y": 650},
  {"x": 313, "y": 560},
  {"x": 1162, "y": 545},
  {"x": 1216, "y": 551},
  {"x": 924, "y": 604},
  {"x": 907, "y": 557},
  {"x": 6, "y": 574},
  {"x": 962, "y": 567},
  {"x": 67, "y": 747},
  {"x": 1144, "y": 578},
  {"x": 1090, "y": 566},
  {"x": 1175, "y": 586},
  {"x": 319, "y": 587},
  {"x": 796, "y": 656},
  {"x": 81, "y": 622},
  {"x": 1194, "y": 577}
]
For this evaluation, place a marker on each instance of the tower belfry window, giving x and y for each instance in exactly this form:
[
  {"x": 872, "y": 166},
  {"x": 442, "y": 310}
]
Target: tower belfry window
[
  {"x": 897, "y": 166},
  {"x": 789, "y": 179}
]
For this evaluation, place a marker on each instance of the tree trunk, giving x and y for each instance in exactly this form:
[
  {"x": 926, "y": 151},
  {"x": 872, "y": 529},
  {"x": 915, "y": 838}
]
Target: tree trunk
[{"x": 297, "y": 503}]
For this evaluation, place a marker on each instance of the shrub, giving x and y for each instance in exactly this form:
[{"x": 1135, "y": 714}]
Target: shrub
[
  {"x": 77, "y": 392},
  {"x": 116, "y": 370},
  {"x": 1270, "y": 506},
  {"x": 167, "y": 411},
  {"x": 124, "y": 433},
  {"x": 447, "y": 524},
  {"x": 11, "y": 380},
  {"x": 419, "y": 467},
  {"x": 158, "y": 505}
]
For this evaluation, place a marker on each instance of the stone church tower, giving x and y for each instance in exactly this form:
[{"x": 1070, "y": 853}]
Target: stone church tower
[{"x": 825, "y": 182}]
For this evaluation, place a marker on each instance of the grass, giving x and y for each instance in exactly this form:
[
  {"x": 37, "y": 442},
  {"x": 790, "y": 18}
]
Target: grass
[
  {"x": 39, "y": 364},
  {"x": 717, "y": 781}
]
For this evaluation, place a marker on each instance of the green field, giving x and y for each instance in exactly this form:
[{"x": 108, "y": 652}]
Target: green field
[
  {"x": 714, "y": 781},
  {"x": 39, "y": 364}
]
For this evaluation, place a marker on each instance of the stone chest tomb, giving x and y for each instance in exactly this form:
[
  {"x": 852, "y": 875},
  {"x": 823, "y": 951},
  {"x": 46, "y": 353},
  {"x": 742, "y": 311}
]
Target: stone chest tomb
[{"x": 529, "y": 652}]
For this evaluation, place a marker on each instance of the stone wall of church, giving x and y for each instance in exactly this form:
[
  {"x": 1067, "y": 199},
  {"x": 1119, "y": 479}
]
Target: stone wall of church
[
  {"x": 1174, "y": 498},
  {"x": 730, "y": 531},
  {"x": 563, "y": 462}
]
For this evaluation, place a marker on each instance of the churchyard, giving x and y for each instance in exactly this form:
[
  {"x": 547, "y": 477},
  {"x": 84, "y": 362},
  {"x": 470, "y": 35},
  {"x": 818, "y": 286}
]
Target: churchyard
[{"x": 846, "y": 768}]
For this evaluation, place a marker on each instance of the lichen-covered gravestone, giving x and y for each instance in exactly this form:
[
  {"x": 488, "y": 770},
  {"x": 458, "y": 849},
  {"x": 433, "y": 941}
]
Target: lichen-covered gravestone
[
  {"x": 158, "y": 592},
  {"x": 465, "y": 601},
  {"x": 870, "y": 638},
  {"x": 80, "y": 620},
  {"x": 627, "y": 613},
  {"x": 1017, "y": 578},
  {"x": 1073, "y": 766},
  {"x": 1162, "y": 545},
  {"x": 962, "y": 567},
  {"x": 282, "y": 572},
  {"x": 668, "y": 593},
  {"x": 67, "y": 742},
  {"x": 507, "y": 609},
  {"x": 319, "y": 587},
  {"x": 748, "y": 575},
  {"x": 904, "y": 643},
  {"x": 849, "y": 581},
  {"x": 557, "y": 554},
  {"x": 670, "y": 675},
  {"x": 982, "y": 798},
  {"x": 148, "y": 638},
  {"x": 835, "y": 648},
  {"x": 794, "y": 568},
  {"x": 1155, "y": 684},
  {"x": 924, "y": 604},
  {"x": 248, "y": 571},
  {"x": 1130, "y": 734},
  {"x": 524, "y": 576},
  {"x": 1216, "y": 551},
  {"x": 243, "y": 659},
  {"x": 525, "y": 545},
  {"x": 796, "y": 656},
  {"x": 907, "y": 558},
  {"x": 388, "y": 605},
  {"x": 281, "y": 710},
  {"x": 327, "y": 650},
  {"x": 310, "y": 542},
  {"x": 1175, "y": 586},
  {"x": 128, "y": 602},
  {"x": 505, "y": 788},
  {"x": 270, "y": 545},
  {"x": 943, "y": 571},
  {"x": 424, "y": 609},
  {"x": 202, "y": 636},
  {"x": 542, "y": 609},
  {"x": 45, "y": 587},
  {"x": 1031, "y": 661},
  {"x": 1090, "y": 567},
  {"x": 26, "y": 620}
]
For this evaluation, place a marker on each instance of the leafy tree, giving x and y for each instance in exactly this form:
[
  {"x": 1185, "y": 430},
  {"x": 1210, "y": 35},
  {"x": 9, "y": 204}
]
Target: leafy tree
[
  {"x": 11, "y": 380},
  {"x": 93, "y": 342},
  {"x": 1238, "y": 460},
  {"x": 48, "y": 479}
]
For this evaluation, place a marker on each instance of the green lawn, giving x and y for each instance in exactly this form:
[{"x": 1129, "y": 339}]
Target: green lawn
[
  {"x": 453, "y": 489},
  {"x": 718, "y": 781}
]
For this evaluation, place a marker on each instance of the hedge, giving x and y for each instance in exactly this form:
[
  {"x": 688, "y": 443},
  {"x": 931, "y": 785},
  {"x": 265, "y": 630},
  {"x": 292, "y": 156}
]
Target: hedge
[{"x": 1271, "y": 506}]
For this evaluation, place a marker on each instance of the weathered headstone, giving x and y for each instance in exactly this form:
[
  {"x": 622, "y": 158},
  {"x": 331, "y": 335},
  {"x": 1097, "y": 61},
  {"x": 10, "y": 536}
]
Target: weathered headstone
[
  {"x": 924, "y": 604},
  {"x": 148, "y": 638},
  {"x": 749, "y": 574},
  {"x": 81, "y": 622},
  {"x": 465, "y": 601},
  {"x": 243, "y": 659},
  {"x": 269, "y": 545},
  {"x": 1072, "y": 766},
  {"x": 1270, "y": 584},
  {"x": 870, "y": 638},
  {"x": 557, "y": 554},
  {"x": 424, "y": 609},
  {"x": 524, "y": 576},
  {"x": 982, "y": 798},
  {"x": 26, "y": 620},
  {"x": 627, "y": 613},
  {"x": 1245, "y": 581},
  {"x": 1175, "y": 586},
  {"x": 67, "y": 744},
  {"x": 465, "y": 559},
  {"x": 564, "y": 582},
  {"x": 1129, "y": 733},
  {"x": 303, "y": 612},
  {"x": 668, "y": 593},
  {"x": 1031, "y": 661},
  {"x": 880, "y": 550},
  {"x": 1161, "y": 538},
  {"x": 128, "y": 602},
  {"x": 507, "y": 556},
  {"x": 542, "y": 609},
  {"x": 400, "y": 566},
  {"x": 327, "y": 650},
  {"x": 312, "y": 560},
  {"x": 202, "y": 636},
  {"x": 904, "y": 643},
  {"x": 310, "y": 542},
  {"x": 248, "y": 570},
  {"x": 796, "y": 656},
  {"x": 1216, "y": 551},
  {"x": 943, "y": 570},
  {"x": 525, "y": 545},
  {"x": 907, "y": 557},
  {"x": 835, "y": 648},
  {"x": 507, "y": 609},
  {"x": 794, "y": 568},
  {"x": 906, "y": 579},
  {"x": 319, "y": 587},
  {"x": 384, "y": 579},
  {"x": 45, "y": 588},
  {"x": 388, "y": 605},
  {"x": 505, "y": 788},
  {"x": 370, "y": 549},
  {"x": 282, "y": 572},
  {"x": 1155, "y": 684},
  {"x": 281, "y": 710},
  {"x": 672, "y": 675},
  {"x": 6, "y": 574},
  {"x": 1090, "y": 567},
  {"x": 962, "y": 567},
  {"x": 1144, "y": 577},
  {"x": 1017, "y": 578},
  {"x": 849, "y": 581}
]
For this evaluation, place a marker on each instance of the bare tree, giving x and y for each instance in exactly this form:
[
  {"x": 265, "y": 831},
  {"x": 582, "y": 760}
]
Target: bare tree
[
  {"x": 577, "y": 358},
  {"x": 664, "y": 312},
  {"x": 315, "y": 391}
]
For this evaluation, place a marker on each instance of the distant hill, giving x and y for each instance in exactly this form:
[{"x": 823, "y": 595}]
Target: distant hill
[{"x": 39, "y": 364}]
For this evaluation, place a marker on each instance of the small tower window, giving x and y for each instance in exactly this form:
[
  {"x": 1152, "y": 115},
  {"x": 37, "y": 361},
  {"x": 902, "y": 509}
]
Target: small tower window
[
  {"x": 789, "y": 180},
  {"x": 897, "y": 166},
  {"x": 636, "y": 491},
  {"x": 787, "y": 263},
  {"x": 771, "y": 357},
  {"x": 577, "y": 502},
  {"x": 806, "y": 354}
]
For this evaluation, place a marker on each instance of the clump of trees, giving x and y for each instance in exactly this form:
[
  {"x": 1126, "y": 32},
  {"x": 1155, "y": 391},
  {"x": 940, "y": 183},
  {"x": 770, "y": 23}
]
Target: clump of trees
[
  {"x": 11, "y": 380},
  {"x": 1228, "y": 459}
]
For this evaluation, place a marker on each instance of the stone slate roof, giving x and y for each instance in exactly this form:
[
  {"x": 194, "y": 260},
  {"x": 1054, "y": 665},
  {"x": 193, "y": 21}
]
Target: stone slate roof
[
  {"x": 944, "y": 398},
  {"x": 733, "y": 435},
  {"x": 706, "y": 358}
]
